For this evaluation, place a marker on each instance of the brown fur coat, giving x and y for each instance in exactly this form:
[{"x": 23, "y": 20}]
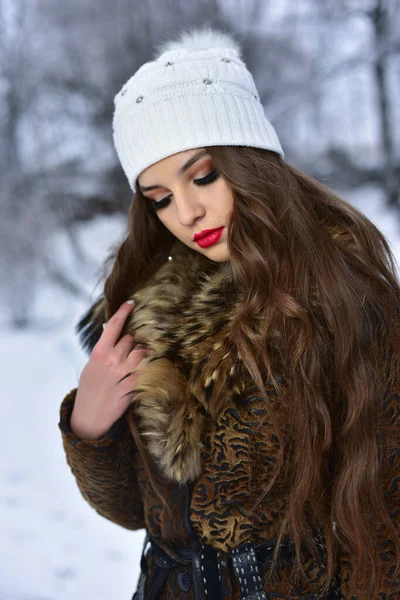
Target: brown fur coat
[{"x": 196, "y": 410}]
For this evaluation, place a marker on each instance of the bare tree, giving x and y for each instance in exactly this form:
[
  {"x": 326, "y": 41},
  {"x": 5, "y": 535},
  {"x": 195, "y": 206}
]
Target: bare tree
[
  {"x": 61, "y": 64},
  {"x": 375, "y": 59},
  {"x": 382, "y": 16}
]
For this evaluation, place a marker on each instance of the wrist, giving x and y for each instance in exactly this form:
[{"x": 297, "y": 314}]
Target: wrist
[{"x": 82, "y": 432}]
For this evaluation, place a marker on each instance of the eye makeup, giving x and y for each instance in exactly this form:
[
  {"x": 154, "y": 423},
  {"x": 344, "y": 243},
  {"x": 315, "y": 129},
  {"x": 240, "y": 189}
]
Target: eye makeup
[{"x": 209, "y": 178}]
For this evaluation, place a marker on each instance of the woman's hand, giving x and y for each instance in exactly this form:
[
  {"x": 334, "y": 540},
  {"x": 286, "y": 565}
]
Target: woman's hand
[{"x": 106, "y": 380}]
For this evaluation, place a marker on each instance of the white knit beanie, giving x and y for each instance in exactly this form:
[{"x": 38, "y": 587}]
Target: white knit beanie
[{"x": 196, "y": 93}]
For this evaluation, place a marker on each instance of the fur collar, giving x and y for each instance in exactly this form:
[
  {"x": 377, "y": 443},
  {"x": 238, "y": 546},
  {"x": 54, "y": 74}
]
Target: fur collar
[{"x": 183, "y": 317}]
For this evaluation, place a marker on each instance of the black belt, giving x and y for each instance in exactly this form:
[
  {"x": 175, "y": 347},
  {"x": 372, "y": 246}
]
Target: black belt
[{"x": 247, "y": 561}]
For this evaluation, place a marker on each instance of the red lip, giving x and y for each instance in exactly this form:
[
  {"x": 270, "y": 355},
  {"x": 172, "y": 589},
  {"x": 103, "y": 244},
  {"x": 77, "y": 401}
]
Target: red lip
[{"x": 201, "y": 234}]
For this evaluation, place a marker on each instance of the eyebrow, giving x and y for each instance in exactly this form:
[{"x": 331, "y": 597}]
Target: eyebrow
[{"x": 181, "y": 170}]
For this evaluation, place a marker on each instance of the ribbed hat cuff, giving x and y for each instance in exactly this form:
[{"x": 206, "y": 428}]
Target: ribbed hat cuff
[{"x": 145, "y": 134}]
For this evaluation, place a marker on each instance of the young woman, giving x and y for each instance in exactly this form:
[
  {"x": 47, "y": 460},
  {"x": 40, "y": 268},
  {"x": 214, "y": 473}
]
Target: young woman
[{"x": 245, "y": 409}]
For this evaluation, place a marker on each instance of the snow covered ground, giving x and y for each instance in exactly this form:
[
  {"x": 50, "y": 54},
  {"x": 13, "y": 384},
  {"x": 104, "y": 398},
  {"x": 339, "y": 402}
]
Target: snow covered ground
[{"x": 53, "y": 545}]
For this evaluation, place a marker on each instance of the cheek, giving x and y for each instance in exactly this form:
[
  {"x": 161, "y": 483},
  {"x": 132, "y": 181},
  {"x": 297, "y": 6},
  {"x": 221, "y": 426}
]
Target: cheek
[
  {"x": 229, "y": 201},
  {"x": 226, "y": 200}
]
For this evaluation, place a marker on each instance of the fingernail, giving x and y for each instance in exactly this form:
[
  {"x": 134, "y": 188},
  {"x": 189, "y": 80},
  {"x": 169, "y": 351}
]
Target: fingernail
[
  {"x": 130, "y": 302},
  {"x": 104, "y": 325}
]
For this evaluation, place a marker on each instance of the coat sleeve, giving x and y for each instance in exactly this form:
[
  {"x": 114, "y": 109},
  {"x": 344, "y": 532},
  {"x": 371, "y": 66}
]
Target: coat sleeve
[
  {"x": 389, "y": 433},
  {"x": 104, "y": 469}
]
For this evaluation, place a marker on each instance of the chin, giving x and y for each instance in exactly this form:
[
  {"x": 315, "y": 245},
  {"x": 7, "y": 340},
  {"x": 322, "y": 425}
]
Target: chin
[{"x": 217, "y": 253}]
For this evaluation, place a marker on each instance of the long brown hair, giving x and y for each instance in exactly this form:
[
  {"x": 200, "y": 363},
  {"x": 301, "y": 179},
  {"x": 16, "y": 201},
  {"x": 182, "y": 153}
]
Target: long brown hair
[{"x": 321, "y": 274}]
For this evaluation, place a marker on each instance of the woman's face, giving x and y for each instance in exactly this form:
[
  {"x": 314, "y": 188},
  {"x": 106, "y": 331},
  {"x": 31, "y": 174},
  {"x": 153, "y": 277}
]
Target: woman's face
[{"x": 190, "y": 197}]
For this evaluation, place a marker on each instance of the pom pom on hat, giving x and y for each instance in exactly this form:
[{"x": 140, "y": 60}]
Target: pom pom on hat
[{"x": 196, "y": 39}]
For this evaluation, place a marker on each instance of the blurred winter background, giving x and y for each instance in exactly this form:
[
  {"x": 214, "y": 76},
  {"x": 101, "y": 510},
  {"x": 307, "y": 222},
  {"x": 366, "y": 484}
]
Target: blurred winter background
[{"x": 328, "y": 75}]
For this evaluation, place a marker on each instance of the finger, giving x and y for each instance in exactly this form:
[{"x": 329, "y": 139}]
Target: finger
[
  {"x": 126, "y": 401},
  {"x": 114, "y": 325},
  {"x": 126, "y": 376},
  {"x": 124, "y": 345},
  {"x": 126, "y": 397},
  {"x": 137, "y": 353}
]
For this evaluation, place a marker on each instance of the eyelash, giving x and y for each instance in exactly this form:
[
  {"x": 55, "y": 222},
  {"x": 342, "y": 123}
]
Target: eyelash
[{"x": 210, "y": 178}]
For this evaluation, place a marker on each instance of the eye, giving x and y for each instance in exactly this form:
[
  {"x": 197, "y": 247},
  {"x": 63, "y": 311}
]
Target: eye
[
  {"x": 212, "y": 176},
  {"x": 161, "y": 203},
  {"x": 209, "y": 178}
]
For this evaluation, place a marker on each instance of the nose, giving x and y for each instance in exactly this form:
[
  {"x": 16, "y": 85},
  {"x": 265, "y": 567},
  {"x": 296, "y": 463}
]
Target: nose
[{"x": 189, "y": 208}]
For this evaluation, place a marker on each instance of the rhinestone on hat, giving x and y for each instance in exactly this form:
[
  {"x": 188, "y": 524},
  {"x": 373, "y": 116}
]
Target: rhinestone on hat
[
  {"x": 139, "y": 99},
  {"x": 224, "y": 59},
  {"x": 207, "y": 81},
  {"x": 168, "y": 63}
]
